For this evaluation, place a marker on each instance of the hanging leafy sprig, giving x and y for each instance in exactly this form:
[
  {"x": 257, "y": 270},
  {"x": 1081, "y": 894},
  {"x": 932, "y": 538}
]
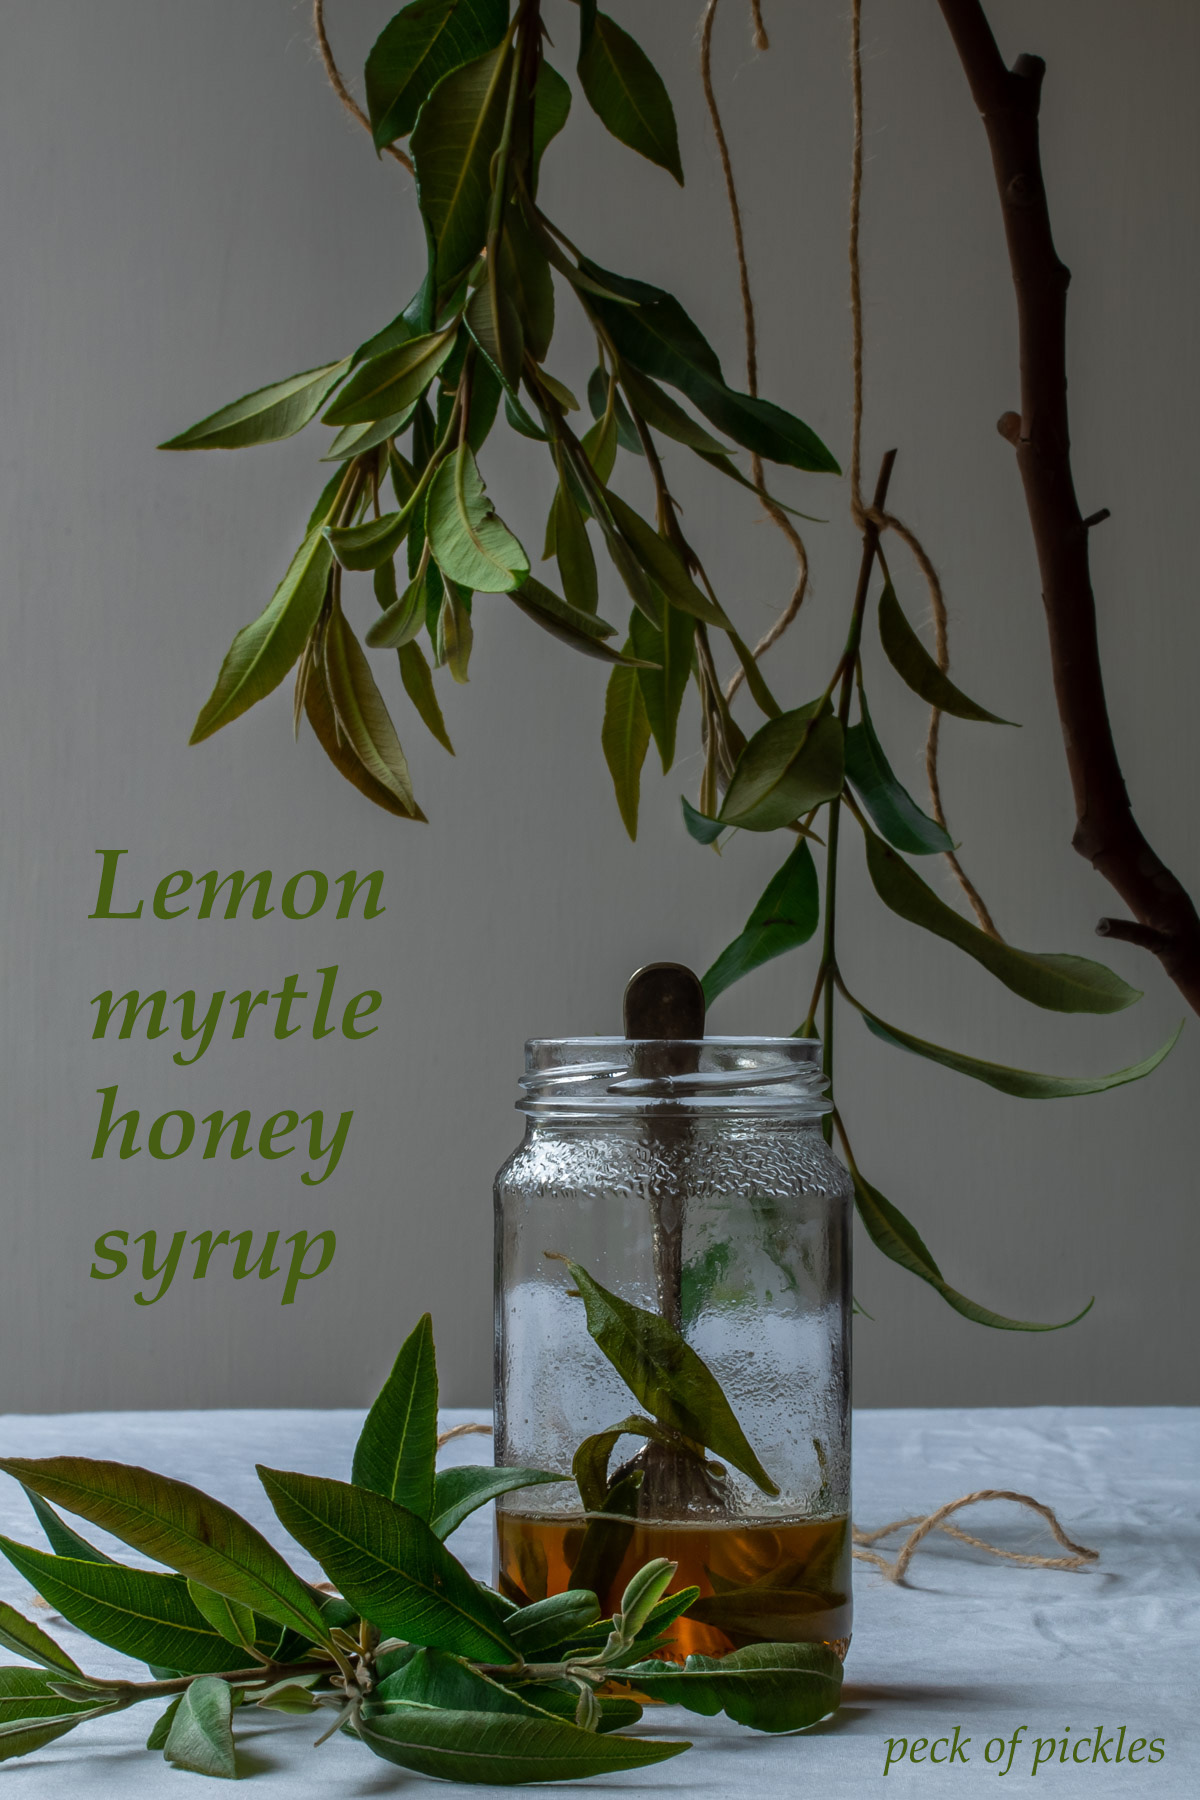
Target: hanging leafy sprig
[
  {"x": 467, "y": 84},
  {"x": 423, "y": 1665}
]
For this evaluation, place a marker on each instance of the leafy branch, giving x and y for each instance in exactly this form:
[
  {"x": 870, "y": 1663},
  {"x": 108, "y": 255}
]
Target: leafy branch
[
  {"x": 469, "y": 87},
  {"x": 426, "y": 1667}
]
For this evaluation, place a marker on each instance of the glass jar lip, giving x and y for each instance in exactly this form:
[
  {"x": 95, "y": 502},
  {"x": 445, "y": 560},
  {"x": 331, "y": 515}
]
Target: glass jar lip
[{"x": 725, "y": 1076}]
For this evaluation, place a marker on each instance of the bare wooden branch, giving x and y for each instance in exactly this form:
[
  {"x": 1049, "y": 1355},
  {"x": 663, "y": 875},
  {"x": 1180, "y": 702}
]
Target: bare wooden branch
[{"x": 1106, "y": 832}]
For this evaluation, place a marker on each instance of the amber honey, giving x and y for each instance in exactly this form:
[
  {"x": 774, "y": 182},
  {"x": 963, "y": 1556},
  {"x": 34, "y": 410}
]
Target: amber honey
[{"x": 783, "y": 1582}]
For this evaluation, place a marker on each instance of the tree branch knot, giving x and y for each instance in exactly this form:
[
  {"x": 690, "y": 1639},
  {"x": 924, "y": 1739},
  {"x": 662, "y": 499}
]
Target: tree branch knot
[
  {"x": 1130, "y": 932},
  {"x": 1031, "y": 71},
  {"x": 1023, "y": 190}
]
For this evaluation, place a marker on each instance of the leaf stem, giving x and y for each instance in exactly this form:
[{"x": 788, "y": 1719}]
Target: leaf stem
[
  {"x": 828, "y": 966},
  {"x": 261, "y": 1675}
]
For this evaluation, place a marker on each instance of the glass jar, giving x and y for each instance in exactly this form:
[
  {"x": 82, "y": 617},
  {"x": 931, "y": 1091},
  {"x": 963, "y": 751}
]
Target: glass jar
[{"x": 673, "y": 1258}]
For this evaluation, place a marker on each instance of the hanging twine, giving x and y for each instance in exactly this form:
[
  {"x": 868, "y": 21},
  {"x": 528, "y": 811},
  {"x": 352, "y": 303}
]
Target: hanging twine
[
  {"x": 774, "y": 512},
  {"x": 339, "y": 87},
  {"x": 865, "y": 515}
]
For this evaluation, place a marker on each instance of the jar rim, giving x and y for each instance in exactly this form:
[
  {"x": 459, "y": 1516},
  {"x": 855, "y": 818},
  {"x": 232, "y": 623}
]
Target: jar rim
[{"x": 585, "y": 1077}]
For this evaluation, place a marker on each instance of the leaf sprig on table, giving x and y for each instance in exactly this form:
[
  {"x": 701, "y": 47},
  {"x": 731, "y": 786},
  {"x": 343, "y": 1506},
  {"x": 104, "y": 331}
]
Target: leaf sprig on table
[
  {"x": 404, "y": 1650},
  {"x": 470, "y": 87}
]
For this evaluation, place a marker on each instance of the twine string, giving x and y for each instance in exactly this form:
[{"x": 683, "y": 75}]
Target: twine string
[
  {"x": 773, "y": 511},
  {"x": 1080, "y": 1558},
  {"x": 864, "y": 515},
  {"x": 339, "y": 87},
  {"x": 456, "y": 1431}
]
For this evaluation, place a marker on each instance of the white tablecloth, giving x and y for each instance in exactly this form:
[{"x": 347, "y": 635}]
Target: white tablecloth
[{"x": 969, "y": 1643}]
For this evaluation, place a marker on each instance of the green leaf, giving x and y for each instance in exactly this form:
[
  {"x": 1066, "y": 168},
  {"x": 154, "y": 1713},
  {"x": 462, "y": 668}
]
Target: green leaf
[
  {"x": 607, "y": 1538},
  {"x": 501, "y": 1749},
  {"x": 520, "y": 420},
  {"x": 292, "y": 1695},
  {"x": 356, "y": 440},
  {"x": 453, "y": 144},
  {"x": 576, "y": 561},
  {"x": 271, "y": 413},
  {"x": 389, "y": 1564},
  {"x": 764, "y": 699},
  {"x": 26, "y": 1695},
  {"x": 432, "y": 1678},
  {"x": 486, "y": 389},
  {"x": 724, "y": 465},
  {"x": 1023, "y": 1084},
  {"x": 790, "y": 765},
  {"x": 785, "y": 916},
  {"x": 175, "y": 1523},
  {"x": 495, "y": 324},
  {"x": 32, "y": 1714},
  {"x": 769, "y": 1687},
  {"x": 600, "y": 446},
  {"x": 160, "y": 1731},
  {"x": 228, "y": 1618},
  {"x": 459, "y": 1492},
  {"x": 892, "y": 1233},
  {"x": 590, "y": 1462},
  {"x": 397, "y": 1447},
  {"x": 469, "y": 543},
  {"x": 663, "y": 688},
  {"x": 666, "y": 415},
  {"x": 417, "y": 677},
  {"x": 896, "y": 814},
  {"x": 699, "y": 825},
  {"x": 642, "y": 1595},
  {"x": 551, "y": 106},
  {"x": 455, "y": 633},
  {"x": 318, "y": 706},
  {"x": 418, "y": 47},
  {"x": 1058, "y": 983},
  {"x": 552, "y": 1623},
  {"x": 627, "y": 94},
  {"x": 625, "y": 739},
  {"x": 262, "y": 652},
  {"x": 137, "y": 1611},
  {"x": 597, "y": 393},
  {"x": 666, "y": 1375},
  {"x": 403, "y": 616},
  {"x": 397, "y": 331},
  {"x": 616, "y": 1712},
  {"x": 914, "y": 665},
  {"x": 200, "y": 1737},
  {"x": 654, "y": 1633},
  {"x": 525, "y": 275},
  {"x": 659, "y": 339},
  {"x": 393, "y": 381},
  {"x": 372, "y": 545},
  {"x": 662, "y": 563},
  {"x": 582, "y": 630},
  {"x": 322, "y": 512},
  {"x": 360, "y": 712},
  {"x": 27, "y": 1639}
]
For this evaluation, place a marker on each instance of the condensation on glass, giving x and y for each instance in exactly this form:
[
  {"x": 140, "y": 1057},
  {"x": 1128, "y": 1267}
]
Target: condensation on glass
[{"x": 707, "y": 1195}]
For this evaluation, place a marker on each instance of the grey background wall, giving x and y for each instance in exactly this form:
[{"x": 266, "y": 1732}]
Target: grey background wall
[{"x": 187, "y": 213}]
